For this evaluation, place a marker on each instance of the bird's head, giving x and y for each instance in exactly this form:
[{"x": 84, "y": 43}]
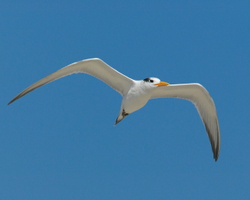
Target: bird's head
[{"x": 154, "y": 82}]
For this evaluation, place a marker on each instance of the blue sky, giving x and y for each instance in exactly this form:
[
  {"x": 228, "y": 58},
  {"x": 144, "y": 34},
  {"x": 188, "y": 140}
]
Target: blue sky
[{"x": 59, "y": 142}]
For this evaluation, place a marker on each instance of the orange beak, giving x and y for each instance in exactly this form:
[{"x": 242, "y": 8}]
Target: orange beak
[{"x": 162, "y": 84}]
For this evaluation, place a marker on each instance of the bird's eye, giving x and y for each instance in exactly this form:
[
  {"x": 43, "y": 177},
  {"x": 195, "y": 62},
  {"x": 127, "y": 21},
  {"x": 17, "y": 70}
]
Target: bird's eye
[{"x": 151, "y": 81}]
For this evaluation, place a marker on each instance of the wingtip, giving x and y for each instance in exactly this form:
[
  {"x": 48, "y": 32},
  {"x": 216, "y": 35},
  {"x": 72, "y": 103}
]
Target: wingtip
[
  {"x": 10, "y": 102},
  {"x": 216, "y": 156},
  {"x": 215, "y": 159}
]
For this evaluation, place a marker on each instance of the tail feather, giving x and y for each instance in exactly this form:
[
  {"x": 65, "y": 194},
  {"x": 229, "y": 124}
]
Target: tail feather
[{"x": 121, "y": 116}]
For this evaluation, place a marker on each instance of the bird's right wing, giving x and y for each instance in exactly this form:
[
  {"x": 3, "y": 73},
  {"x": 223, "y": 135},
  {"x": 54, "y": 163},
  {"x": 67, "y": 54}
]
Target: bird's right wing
[
  {"x": 95, "y": 67},
  {"x": 200, "y": 97}
]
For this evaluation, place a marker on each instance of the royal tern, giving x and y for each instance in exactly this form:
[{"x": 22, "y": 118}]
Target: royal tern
[{"x": 137, "y": 93}]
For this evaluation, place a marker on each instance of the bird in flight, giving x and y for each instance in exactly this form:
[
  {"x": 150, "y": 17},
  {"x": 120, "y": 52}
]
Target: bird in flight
[{"x": 137, "y": 93}]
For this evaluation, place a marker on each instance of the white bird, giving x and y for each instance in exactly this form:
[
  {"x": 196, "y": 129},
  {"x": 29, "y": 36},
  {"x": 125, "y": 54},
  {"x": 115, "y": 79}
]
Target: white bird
[{"x": 137, "y": 93}]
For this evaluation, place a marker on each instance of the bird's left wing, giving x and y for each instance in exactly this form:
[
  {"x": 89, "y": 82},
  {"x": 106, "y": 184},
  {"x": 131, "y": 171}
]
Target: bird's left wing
[
  {"x": 199, "y": 96},
  {"x": 95, "y": 67}
]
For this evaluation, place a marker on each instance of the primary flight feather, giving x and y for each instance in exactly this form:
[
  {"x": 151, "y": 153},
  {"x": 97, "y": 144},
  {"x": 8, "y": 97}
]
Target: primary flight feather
[{"x": 137, "y": 93}]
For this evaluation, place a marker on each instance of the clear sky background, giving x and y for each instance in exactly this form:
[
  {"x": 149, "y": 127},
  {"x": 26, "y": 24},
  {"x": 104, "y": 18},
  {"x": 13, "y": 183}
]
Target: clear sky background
[{"x": 59, "y": 142}]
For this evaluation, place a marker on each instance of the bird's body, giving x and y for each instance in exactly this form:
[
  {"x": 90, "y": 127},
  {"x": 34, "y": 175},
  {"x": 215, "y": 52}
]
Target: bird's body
[
  {"x": 137, "y": 93},
  {"x": 136, "y": 98}
]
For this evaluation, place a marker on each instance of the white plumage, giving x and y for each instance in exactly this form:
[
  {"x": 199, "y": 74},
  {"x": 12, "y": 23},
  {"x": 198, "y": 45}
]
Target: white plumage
[{"x": 137, "y": 93}]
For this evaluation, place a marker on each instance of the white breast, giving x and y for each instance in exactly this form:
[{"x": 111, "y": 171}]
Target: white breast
[{"x": 136, "y": 98}]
